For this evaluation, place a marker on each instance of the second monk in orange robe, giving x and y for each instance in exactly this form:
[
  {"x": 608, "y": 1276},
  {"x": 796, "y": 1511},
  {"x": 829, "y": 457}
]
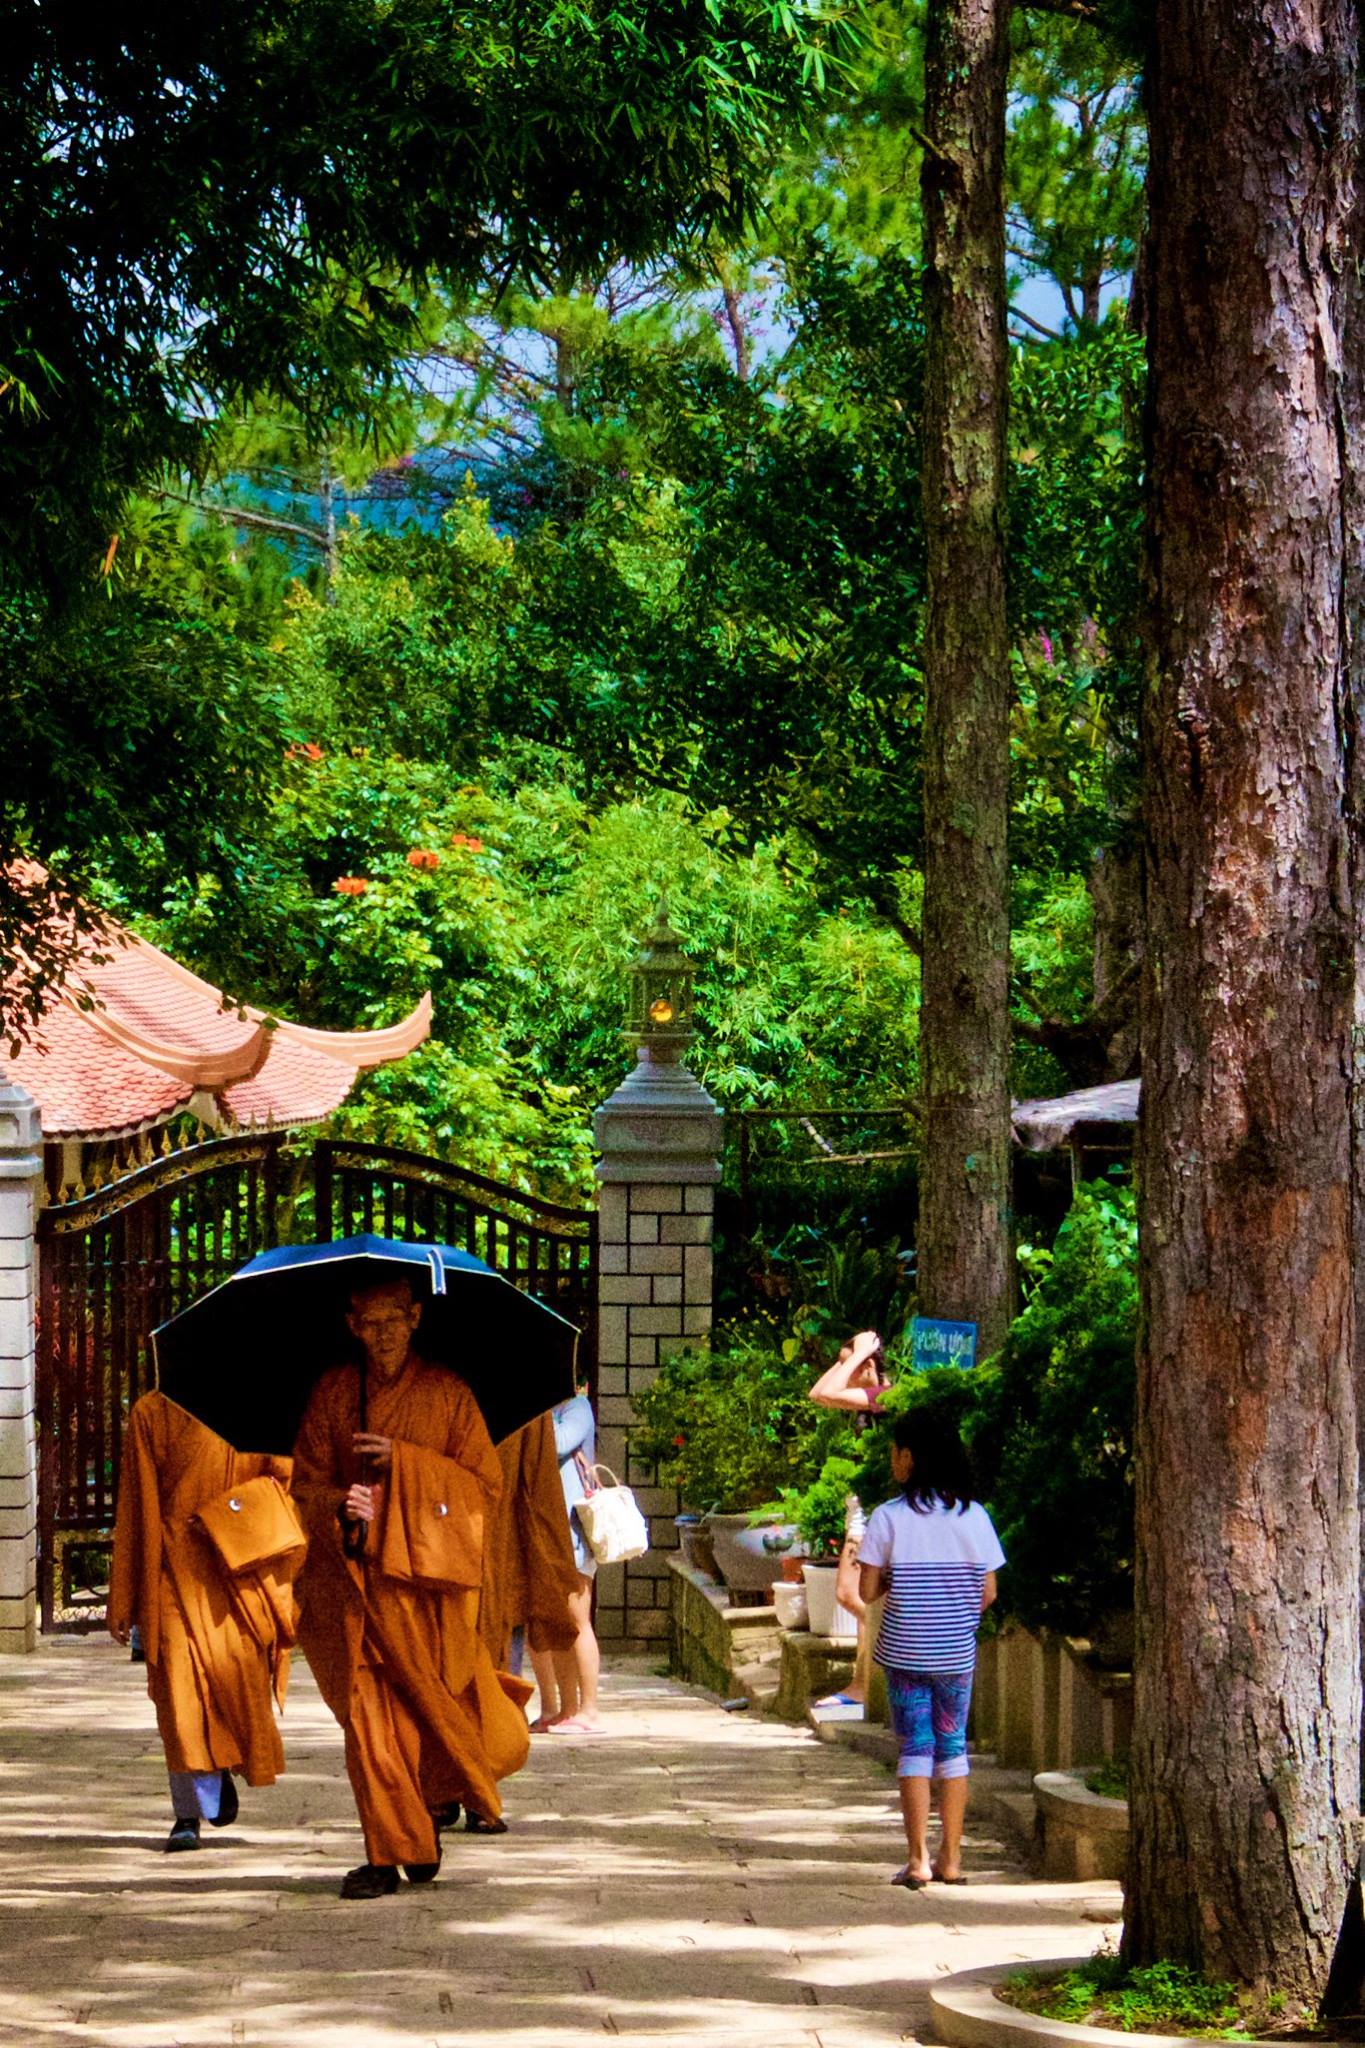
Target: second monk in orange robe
[
  {"x": 205, "y": 1545},
  {"x": 391, "y": 1635}
]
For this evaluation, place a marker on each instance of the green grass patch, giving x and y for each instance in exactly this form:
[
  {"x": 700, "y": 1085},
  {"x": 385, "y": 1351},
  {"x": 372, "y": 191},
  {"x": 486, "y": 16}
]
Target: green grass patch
[
  {"x": 1164, "y": 1998},
  {"x": 1109, "y": 1779}
]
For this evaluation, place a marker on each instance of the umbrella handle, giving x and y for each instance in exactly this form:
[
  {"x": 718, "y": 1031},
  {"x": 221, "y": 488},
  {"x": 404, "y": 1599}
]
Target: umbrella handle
[{"x": 354, "y": 1534}]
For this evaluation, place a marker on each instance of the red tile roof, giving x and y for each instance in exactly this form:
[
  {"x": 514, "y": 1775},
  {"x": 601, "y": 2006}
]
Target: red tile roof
[{"x": 133, "y": 1037}]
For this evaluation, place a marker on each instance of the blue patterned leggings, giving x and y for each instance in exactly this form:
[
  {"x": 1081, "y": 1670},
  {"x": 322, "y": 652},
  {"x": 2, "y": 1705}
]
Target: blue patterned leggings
[{"x": 929, "y": 1715}]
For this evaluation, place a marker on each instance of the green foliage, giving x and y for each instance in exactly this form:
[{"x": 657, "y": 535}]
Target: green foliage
[
  {"x": 1162, "y": 1998},
  {"x": 1109, "y": 1780},
  {"x": 1076, "y": 156},
  {"x": 732, "y": 1425},
  {"x": 175, "y": 241},
  {"x": 820, "y": 1509},
  {"x": 1050, "y": 1426}
]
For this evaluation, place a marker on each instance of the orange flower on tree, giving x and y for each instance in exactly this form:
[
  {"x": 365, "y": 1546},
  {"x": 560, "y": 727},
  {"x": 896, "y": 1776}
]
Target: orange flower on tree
[
  {"x": 423, "y": 857},
  {"x": 350, "y": 885},
  {"x": 304, "y": 750}
]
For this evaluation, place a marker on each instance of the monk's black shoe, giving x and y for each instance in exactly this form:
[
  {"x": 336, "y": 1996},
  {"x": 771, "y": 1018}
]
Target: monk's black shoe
[
  {"x": 480, "y": 1824},
  {"x": 370, "y": 1881},
  {"x": 445, "y": 1817},
  {"x": 228, "y": 1803},
  {"x": 423, "y": 1873},
  {"x": 184, "y": 1835}
]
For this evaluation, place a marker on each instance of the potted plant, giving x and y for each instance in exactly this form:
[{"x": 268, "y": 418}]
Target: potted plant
[
  {"x": 731, "y": 1426},
  {"x": 819, "y": 1512}
]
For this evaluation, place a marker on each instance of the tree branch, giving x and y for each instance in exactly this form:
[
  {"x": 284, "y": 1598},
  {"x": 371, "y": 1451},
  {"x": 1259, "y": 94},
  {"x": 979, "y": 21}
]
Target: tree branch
[
  {"x": 1048, "y": 333},
  {"x": 236, "y": 515}
]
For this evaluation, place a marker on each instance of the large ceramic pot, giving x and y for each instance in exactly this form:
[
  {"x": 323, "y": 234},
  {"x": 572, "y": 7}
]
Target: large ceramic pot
[
  {"x": 749, "y": 1559},
  {"x": 695, "y": 1542},
  {"x": 827, "y": 1617}
]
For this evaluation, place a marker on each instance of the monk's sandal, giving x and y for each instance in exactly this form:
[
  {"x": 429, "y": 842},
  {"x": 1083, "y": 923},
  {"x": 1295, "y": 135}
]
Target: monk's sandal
[
  {"x": 184, "y": 1835},
  {"x": 370, "y": 1881},
  {"x": 422, "y": 1873}
]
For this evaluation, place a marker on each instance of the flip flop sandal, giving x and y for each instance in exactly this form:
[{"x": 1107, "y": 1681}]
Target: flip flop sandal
[
  {"x": 838, "y": 1699},
  {"x": 573, "y": 1727},
  {"x": 911, "y": 1884},
  {"x": 938, "y": 1878}
]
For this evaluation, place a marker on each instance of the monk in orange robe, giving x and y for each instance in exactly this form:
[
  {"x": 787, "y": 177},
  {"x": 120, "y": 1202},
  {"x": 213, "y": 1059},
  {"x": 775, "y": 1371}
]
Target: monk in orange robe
[
  {"x": 391, "y": 1634},
  {"x": 529, "y": 1575},
  {"x": 206, "y": 1541}
]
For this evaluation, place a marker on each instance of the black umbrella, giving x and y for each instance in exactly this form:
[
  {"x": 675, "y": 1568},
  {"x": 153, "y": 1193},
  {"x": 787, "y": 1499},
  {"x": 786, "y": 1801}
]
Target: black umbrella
[{"x": 244, "y": 1358}]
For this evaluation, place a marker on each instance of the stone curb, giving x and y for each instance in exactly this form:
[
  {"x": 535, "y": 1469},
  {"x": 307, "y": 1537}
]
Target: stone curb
[
  {"x": 1066, "y": 1795},
  {"x": 967, "y": 2014}
]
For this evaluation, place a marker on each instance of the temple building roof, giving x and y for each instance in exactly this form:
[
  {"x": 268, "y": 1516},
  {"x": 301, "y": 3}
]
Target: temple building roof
[{"x": 133, "y": 1038}]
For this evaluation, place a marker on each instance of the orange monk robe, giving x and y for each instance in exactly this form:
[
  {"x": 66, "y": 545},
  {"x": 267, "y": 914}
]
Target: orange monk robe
[
  {"x": 528, "y": 1566},
  {"x": 391, "y": 1638},
  {"x": 216, "y": 1640}
]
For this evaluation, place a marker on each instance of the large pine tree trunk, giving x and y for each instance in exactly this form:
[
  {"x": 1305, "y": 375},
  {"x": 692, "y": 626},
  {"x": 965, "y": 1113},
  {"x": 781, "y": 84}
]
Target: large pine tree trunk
[
  {"x": 964, "y": 1224},
  {"x": 1246, "y": 1759}
]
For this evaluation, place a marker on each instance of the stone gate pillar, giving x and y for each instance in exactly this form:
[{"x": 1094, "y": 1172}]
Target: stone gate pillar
[
  {"x": 21, "y": 1168},
  {"x": 659, "y": 1136}
]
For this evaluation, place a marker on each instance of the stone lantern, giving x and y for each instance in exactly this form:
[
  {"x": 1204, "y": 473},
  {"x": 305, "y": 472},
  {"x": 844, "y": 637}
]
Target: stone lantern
[{"x": 659, "y": 1012}]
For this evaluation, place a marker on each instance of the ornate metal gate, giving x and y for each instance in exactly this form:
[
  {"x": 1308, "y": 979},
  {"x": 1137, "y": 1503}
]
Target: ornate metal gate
[
  {"x": 115, "y": 1263},
  {"x": 549, "y": 1250}
]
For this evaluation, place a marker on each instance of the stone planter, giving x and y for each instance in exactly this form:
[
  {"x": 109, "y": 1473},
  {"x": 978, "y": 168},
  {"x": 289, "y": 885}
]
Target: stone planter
[
  {"x": 827, "y": 1616},
  {"x": 1084, "y": 1835},
  {"x": 967, "y": 2014},
  {"x": 750, "y": 1559}
]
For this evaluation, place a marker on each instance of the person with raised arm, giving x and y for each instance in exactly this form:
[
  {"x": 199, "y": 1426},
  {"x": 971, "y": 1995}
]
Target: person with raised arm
[{"x": 856, "y": 1382}]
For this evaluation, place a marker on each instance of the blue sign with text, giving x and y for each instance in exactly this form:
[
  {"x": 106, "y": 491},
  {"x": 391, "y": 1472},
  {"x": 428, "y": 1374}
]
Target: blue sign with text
[{"x": 937, "y": 1343}]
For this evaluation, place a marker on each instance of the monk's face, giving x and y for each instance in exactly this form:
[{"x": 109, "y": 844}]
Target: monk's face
[{"x": 385, "y": 1320}]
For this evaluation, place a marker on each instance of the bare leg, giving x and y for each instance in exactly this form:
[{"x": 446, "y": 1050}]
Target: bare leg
[
  {"x": 586, "y": 1655},
  {"x": 547, "y": 1684},
  {"x": 566, "y": 1677},
  {"x": 952, "y": 1807},
  {"x": 915, "y": 1813}
]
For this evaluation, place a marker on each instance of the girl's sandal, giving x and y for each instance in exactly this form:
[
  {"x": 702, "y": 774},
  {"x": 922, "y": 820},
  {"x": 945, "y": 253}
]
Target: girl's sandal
[
  {"x": 938, "y": 1878},
  {"x": 911, "y": 1884}
]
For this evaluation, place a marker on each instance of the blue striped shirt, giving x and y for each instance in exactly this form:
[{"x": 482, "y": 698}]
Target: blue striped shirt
[{"x": 936, "y": 1560}]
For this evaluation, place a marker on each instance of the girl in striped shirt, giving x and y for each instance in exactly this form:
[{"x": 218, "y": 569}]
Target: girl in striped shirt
[{"x": 934, "y": 1553}]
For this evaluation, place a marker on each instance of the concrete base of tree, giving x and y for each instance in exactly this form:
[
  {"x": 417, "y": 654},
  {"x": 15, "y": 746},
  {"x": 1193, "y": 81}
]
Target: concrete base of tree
[{"x": 968, "y": 2014}]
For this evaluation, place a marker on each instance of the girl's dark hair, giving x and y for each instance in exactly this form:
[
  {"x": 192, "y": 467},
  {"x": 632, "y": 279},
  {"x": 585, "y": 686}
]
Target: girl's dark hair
[{"x": 941, "y": 1470}]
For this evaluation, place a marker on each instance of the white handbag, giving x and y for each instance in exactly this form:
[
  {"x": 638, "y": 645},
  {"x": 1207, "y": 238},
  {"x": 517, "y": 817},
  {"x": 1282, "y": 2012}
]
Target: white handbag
[{"x": 610, "y": 1518}]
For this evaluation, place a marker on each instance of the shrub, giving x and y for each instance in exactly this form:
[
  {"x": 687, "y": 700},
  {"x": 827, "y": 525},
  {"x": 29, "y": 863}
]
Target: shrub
[
  {"x": 731, "y": 1424},
  {"x": 1051, "y": 1421}
]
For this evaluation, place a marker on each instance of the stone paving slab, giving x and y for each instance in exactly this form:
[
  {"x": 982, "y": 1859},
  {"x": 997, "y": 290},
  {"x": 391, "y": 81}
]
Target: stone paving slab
[{"x": 696, "y": 1877}]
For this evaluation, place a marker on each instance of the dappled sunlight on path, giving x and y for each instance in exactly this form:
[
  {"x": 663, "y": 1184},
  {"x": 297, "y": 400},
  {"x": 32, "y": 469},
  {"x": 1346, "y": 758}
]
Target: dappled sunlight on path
[{"x": 694, "y": 1878}]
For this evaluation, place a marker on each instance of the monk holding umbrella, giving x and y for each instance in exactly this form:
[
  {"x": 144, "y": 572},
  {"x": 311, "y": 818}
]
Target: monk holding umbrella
[{"x": 396, "y": 1479}]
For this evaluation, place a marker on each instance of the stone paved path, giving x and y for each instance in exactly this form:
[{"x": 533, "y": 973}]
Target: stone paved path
[{"x": 698, "y": 1878}]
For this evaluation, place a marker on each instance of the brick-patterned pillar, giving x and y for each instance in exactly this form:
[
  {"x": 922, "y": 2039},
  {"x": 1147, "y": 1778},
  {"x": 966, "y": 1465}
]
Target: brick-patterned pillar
[
  {"x": 21, "y": 1168},
  {"x": 660, "y": 1137}
]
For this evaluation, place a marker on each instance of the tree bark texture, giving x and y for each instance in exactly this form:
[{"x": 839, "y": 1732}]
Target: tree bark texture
[
  {"x": 1246, "y": 1758},
  {"x": 964, "y": 1222}
]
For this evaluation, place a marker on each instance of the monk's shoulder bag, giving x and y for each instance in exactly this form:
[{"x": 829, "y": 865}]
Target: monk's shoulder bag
[{"x": 252, "y": 1524}]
